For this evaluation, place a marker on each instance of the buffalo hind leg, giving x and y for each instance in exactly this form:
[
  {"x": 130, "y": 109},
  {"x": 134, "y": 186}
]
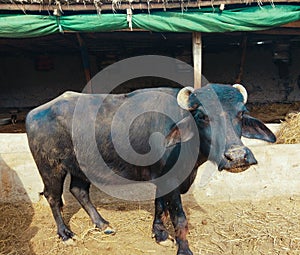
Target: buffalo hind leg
[
  {"x": 53, "y": 191},
  {"x": 179, "y": 221},
  {"x": 80, "y": 190}
]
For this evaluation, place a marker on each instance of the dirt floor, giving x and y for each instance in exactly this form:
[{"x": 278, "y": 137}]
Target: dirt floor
[{"x": 262, "y": 227}]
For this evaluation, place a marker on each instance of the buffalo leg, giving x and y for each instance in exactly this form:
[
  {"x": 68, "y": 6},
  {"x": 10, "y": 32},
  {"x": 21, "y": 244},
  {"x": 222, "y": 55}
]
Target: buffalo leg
[
  {"x": 159, "y": 231},
  {"x": 53, "y": 191},
  {"x": 80, "y": 190},
  {"x": 179, "y": 221}
]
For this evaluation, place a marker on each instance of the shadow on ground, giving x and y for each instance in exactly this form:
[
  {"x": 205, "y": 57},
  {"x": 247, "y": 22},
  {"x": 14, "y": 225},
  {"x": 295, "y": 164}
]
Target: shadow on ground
[{"x": 15, "y": 216}]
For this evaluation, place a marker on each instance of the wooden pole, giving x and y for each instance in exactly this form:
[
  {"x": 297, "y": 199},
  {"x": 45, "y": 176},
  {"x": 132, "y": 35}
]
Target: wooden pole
[
  {"x": 85, "y": 62},
  {"x": 243, "y": 58},
  {"x": 197, "y": 59}
]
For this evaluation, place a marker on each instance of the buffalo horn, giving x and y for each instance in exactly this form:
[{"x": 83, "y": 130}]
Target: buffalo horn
[
  {"x": 183, "y": 98},
  {"x": 242, "y": 90}
]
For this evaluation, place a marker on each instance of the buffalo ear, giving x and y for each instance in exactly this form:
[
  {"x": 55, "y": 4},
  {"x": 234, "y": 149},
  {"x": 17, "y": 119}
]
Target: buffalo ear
[
  {"x": 181, "y": 132},
  {"x": 254, "y": 128}
]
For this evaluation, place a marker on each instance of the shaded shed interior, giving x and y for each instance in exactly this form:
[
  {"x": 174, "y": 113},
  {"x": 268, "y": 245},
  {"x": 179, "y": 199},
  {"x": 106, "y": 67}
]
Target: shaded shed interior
[{"x": 35, "y": 70}]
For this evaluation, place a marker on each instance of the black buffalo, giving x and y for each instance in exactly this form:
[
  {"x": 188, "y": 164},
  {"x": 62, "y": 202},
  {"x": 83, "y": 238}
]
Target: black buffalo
[{"x": 217, "y": 111}]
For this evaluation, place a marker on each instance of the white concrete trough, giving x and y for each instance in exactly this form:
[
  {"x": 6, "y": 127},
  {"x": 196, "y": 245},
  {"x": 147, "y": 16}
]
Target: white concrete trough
[
  {"x": 19, "y": 177},
  {"x": 277, "y": 173}
]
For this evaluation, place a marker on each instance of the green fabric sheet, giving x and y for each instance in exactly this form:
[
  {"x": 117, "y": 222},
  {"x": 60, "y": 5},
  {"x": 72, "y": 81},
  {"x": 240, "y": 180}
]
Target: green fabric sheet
[
  {"x": 93, "y": 22},
  {"x": 22, "y": 26},
  {"x": 213, "y": 20},
  {"x": 198, "y": 20}
]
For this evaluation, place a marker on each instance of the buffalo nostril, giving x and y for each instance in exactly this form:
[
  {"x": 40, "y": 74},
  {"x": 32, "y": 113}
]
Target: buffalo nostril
[
  {"x": 229, "y": 156},
  {"x": 236, "y": 154},
  {"x": 238, "y": 158}
]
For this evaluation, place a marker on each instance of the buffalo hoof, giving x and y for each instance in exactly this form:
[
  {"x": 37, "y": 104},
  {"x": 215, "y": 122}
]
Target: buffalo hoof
[
  {"x": 160, "y": 233},
  {"x": 184, "y": 252},
  {"x": 183, "y": 248},
  {"x": 170, "y": 242},
  {"x": 109, "y": 231},
  {"x": 106, "y": 229},
  {"x": 65, "y": 234},
  {"x": 102, "y": 225},
  {"x": 69, "y": 242}
]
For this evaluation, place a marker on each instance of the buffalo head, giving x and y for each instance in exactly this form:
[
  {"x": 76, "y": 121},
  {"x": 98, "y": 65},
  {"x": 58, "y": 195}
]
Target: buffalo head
[{"x": 221, "y": 118}]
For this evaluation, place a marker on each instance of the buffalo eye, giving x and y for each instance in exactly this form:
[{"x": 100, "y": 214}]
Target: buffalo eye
[
  {"x": 205, "y": 118},
  {"x": 202, "y": 117},
  {"x": 240, "y": 114}
]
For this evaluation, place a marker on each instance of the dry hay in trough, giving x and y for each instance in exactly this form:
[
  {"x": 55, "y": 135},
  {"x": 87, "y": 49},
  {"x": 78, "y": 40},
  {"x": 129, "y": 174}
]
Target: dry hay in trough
[
  {"x": 242, "y": 227},
  {"x": 289, "y": 130},
  {"x": 272, "y": 112}
]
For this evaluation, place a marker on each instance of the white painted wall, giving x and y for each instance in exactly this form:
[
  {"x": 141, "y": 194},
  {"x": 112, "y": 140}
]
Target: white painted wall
[{"x": 277, "y": 173}]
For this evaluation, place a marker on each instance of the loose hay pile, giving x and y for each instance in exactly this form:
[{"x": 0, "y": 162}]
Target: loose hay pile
[
  {"x": 15, "y": 220},
  {"x": 272, "y": 112},
  {"x": 289, "y": 131}
]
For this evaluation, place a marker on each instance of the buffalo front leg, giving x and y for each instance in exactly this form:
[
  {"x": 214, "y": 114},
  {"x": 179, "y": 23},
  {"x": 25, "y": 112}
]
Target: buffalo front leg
[{"x": 179, "y": 221}]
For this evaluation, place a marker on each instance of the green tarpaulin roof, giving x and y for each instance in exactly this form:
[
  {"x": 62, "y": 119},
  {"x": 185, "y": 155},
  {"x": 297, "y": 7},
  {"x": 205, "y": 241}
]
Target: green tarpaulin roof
[{"x": 200, "y": 20}]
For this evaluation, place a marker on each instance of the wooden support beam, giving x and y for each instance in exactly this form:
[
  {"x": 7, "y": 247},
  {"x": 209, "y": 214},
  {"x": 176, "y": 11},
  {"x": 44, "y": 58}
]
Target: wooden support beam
[
  {"x": 90, "y": 7},
  {"x": 243, "y": 59},
  {"x": 85, "y": 62},
  {"x": 279, "y": 31},
  {"x": 197, "y": 59},
  {"x": 295, "y": 24}
]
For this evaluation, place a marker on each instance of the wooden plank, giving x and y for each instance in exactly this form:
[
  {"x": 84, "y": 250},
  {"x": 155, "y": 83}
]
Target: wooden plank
[
  {"x": 279, "y": 31},
  {"x": 197, "y": 59},
  {"x": 85, "y": 62},
  {"x": 90, "y": 7},
  {"x": 243, "y": 59},
  {"x": 295, "y": 24}
]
